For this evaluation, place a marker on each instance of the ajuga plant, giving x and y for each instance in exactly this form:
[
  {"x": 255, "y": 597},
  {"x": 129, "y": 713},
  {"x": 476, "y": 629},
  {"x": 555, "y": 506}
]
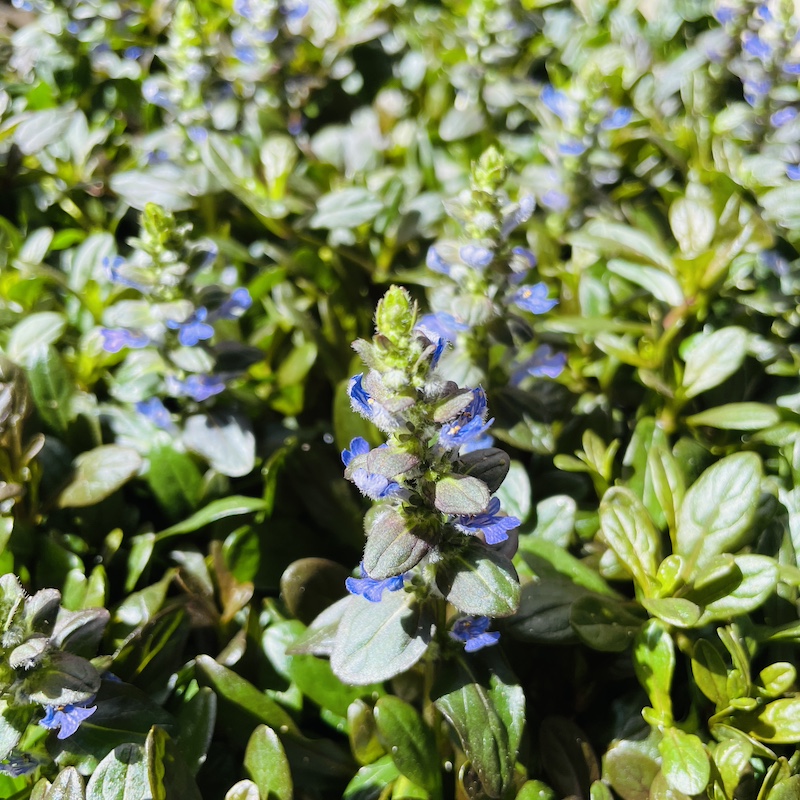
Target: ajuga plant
[
  {"x": 436, "y": 570},
  {"x": 485, "y": 304},
  {"x": 46, "y": 679}
]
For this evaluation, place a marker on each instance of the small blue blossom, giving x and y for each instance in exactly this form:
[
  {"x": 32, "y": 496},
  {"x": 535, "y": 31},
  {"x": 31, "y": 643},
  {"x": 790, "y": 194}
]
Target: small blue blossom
[
  {"x": 473, "y": 631},
  {"x": 775, "y": 262},
  {"x": 561, "y": 105},
  {"x": 66, "y": 719},
  {"x": 522, "y": 260},
  {"x": 235, "y": 305},
  {"x": 358, "y": 447},
  {"x": 756, "y": 90},
  {"x": 133, "y": 53},
  {"x": 793, "y": 172},
  {"x": 18, "y": 764},
  {"x": 435, "y": 262},
  {"x": 359, "y": 399},
  {"x": 198, "y": 387},
  {"x": 441, "y": 325},
  {"x": 533, "y": 298},
  {"x": 113, "y": 268},
  {"x": 372, "y": 589},
  {"x": 153, "y": 94},
  {"x": 791, "y": 68},
  {"x": 197, "y": 133},
  {"x": 469, "y": 425},
  {"x": 194, "y": 330},
  {"x": 544, "y": 363},
  {"x": 619, "y": 118},
  {"x": 783, "y": 116},
  {"x": 154, "y": 410},
  {"x": 764, "y": 12},
  {"x": 294, "y": 10},
  {"x": 116, "y": 339},
  {"x": 375, "y": 486},
  {"x": 494, "y": 526},
  {"x": 243, "y": 8},
  {"x": 522, "y": 213},
  {"x": 754, "y": 45},
  {"x": 572, "y": 148},
  {"x": 555, "y": 200},
  {"x": 475, "y": 256},
  {"x": 725, "y": 14}
]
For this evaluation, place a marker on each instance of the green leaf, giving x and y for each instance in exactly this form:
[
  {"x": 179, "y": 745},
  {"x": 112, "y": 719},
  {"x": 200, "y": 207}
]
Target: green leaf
[
  {"x": 543, "y": 616},
  {"x": 68, "y": 785},
  {"x": 713, "y": 359},
  {"x": 12, "y": 726},
  {"x": 243, "y": 790},
  {"x": 782, "y": 205},
  {"x": 677, "y": 611},
  {"x": 630, "y": 533},
  {"x": 32, "y": 335},
  {"x": 660, "y": 284},
  {"x": 606, "y": 624},
  {"x": 87, "y": 259},
  {"x": 52, "y": 389},
  {"x": 684, "y": 762},
  {"x": 693, "y": 225},
  {"x": 555, "y": 520},
  {"x": 168, "y": 773},
  {"x": 121, "y": 775},
  {"x": 196, "y": 720},
  {"x": 64, "y": 678},
  {"x": 489, "y": 465},
  {"x": 346, "y": 208},
  {"x": 568, "y": 759},
  {"x": 376, "y": 641},
  {"x": 98, "y": 474},
  {"x": 664, "y": 475},
  {"x": 371, "y": 781},
  {"x": 265, "y": 762},
  {"x": 612, "y": 238},
  {"x": 239, "y": 700},
  {"x": 214, "y": 511},
  {"x": 630, "y": 767},
  {"x": 174, "y": 479},
  {"x": 315, "y": 679},
  {"x": 737, "y": 417},
  {"x": 477, "y": 580},
  {"x": 409, "y": 741},
  {"x": 479, "y": 698},
  {"x": 461, "y": 123},
  {"x": 225, "y": 439},
  {"x": 759, "y": 579},
  {"x": 137, "y": 188},
  {"x": 654, "y": 664},
  {"x": 392, "y": 545},
  {"x": 461, "y": 494},
  {"x": 719, "y": 509},
  {"x": 777, "y": 722},
  {"x": 515, "y": 492}
]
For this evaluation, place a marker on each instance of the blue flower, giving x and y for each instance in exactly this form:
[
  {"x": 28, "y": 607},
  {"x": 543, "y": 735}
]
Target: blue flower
[
  {"x": 725, "y": 14},
  {"x": 358, "y": 447},
  {"x": 775, "y": 262},
  {"x": 473, "y": 632},
  {"x": 783, "y": 116},
  {"x": 755, "y": 90},
  {"x": 756, "y": 46},
  {"x": 372, "y": 589},
  {"x": 561, "y": 105},
  {"x": 572, "y": 148},
  {"x": 618, "y": 118},
  {"x": 441, "y": 325},
  {"x": 197, "y": 133},
  {"x": 294, "y": 9},
  {"x": 112, "y": 267},
  {"x": 494, "y": 526},
  {"x": 235, "y": 305},
  {"x": 133, "y": 53},
  {"x": 469, "y": 425},
  {"x": 66, "y": 719},
  {"x": 369, "y": 408},
  {"x": 533, "y": 298},
  {"x": 435, "y": 262},
  {"x": 375, "y": 486},
  {"x": 791, "y": 68},
  {"x": 194, "y": 330},
  {"x": 793, "y": 172},
  {"x": 116, "y": 339},
  {"x": 153, "y": 94},
  {"x": 198, "y": 387},
  {"x": 544, "y": 363},
  {"x": 156, "y": 412},
  {"x": 555, "y": 200},
  {"x": 522, "y": 213},
  {"x": 18, "y": 764},
  {"x": 475, "y": 256}
]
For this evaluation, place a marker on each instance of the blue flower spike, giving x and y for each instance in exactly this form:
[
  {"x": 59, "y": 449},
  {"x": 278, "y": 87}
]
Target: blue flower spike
[
  {"x": 372, "y": 589},
  {"x": 473, "y": 632},
  {"x": 65, "y": 719}
]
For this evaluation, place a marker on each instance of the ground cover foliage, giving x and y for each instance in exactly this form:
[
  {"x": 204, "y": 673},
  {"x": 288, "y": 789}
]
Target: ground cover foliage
[{"x": 399, "y": 399}]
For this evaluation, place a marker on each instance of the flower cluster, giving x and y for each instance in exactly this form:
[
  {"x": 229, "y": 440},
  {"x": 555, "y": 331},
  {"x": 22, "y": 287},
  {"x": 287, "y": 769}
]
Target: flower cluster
[
  {"x": 434, "y": 479},
  {"x": 177, "y": 333},
  {"x": 43, "y": 679},
  {"x": 489, "y": 275}
]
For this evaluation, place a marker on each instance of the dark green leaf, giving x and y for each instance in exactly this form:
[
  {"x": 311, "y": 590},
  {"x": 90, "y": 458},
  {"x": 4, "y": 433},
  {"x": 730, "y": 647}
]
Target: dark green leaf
[
  {"x": 98, "y": 474},
  {"x": 461, "y": 494},
  {"x": 265, "y": 762},
  {"x": 216, "y": 510},
  {"x": 392, "y": 545},
  {"x": 606, "y": 624},
  {"x": 52, "y": 389},
  {"x": 224, "y": 438},
  {"x": 376, "y": 641},
  {"x": 168, "y": 773},
  {"x": 174, "y": 479}
]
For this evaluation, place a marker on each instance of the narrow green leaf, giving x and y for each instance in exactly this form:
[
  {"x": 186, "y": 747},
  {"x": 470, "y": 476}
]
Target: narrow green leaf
[
  {"x": 409, "y": 741},
  {"x": 654, "y": 664},
  {"x": 216, "y": 510},
  {"x": 737, "y": 417},
  {"x": 606, "y": 624},
  {"x": 52, "y": 389},
  {"x": 265, "y": 762},
  {"x": 168, "y": 773}
]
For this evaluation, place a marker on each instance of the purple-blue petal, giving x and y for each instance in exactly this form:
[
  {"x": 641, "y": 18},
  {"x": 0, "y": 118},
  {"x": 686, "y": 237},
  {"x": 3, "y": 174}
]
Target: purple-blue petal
[
  {"x": 533, "y": 298},
  {"x": 435, "y": 262}
]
